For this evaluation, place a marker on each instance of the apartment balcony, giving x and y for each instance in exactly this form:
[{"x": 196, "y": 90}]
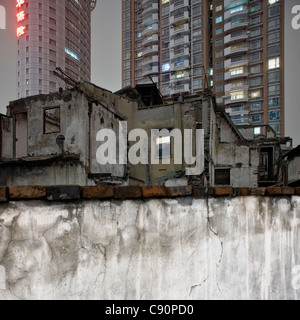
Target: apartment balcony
[
  {"x": 150, "y": 50},
  {"x": 150, "y": 7},
  {"x": 175, "y": 88},
  {"x": 228, "y": 13},
  {"x": 185, "y": 28},
  {"x": 185, "y": 51},
  {"x": 229, "y": 51},
  {"x": 150, "y": 70},
  {"x": 150, "y": 39},
  {"x": 229, "y": 87},
  {"x": 229, "y": 100},
  {"x": 150, "y": 30},
  {"x": 233, "y": 111},
  {"x": 227, "y": 3},
  {"x": 229, "y": 76},
  {"x": 180, "y": 65},
  {"x": 145, "y": 2},
  {"x": 179, "y": 18},
  {"x": 183, "y": 40},
  {"x": 153, "y": 17},
  {"x": 153, "y": 59},
  {"x": 147, "y": 80},
  {"x": 230, "y": 63},
  {"x": 175, "y": 6},
  {"x": 229, "y": 26},
  {"x": 180, "y": 76},
  {"x": 229, "y": 39}
]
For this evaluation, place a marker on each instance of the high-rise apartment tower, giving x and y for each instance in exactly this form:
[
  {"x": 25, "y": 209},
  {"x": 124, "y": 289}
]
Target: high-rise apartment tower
[
  {"x": 51, "y": 34},
  {"x": 248, "y": 60},
  {"x": 236, "y": 46},
  {"x": 168, "y": 42}
]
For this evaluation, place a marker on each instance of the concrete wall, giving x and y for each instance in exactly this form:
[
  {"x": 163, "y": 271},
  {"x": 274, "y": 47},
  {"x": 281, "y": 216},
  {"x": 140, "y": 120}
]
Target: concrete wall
[
  {"x": 6, "y": 137},
  {"x": 181, "y": 248},
  {"x": 60, "y": 173},
  {"x": 294, "y": 169}
]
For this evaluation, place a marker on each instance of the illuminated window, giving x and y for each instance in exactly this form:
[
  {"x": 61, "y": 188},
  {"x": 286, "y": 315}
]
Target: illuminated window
[
  {"x": 236, "y": 71},
  {"x": 255, "y": 94},
  {"x": 219, "y": 19},
  {"x": 163, "y": 147},
  {"x": 166, "y": 67},
  {"x": 219, "y": 8},
  {"x": 71, "y": 53},
  {"x": 274, "y": 63},
  {"x": 257, "y": 131}
]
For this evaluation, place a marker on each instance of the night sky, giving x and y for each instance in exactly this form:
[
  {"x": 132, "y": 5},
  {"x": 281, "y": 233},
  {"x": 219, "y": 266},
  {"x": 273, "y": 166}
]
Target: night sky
[{"x": 106, "y": 57}]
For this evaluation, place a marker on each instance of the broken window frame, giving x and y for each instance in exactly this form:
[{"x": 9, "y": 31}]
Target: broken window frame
[{"x": 45, "y": 131}]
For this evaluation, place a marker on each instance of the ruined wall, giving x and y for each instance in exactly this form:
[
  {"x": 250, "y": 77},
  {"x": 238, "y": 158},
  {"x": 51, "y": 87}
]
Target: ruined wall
[
  {"x": 176, "y": 248},
  {"x": 294, "y": 169},
  {"x": 6, "y": 137},
  {"x": 59, "y": 173}
]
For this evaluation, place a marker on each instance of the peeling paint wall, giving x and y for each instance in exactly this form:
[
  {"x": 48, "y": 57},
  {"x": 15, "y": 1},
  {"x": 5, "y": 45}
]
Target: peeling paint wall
[{"x": 183, "y": 248}]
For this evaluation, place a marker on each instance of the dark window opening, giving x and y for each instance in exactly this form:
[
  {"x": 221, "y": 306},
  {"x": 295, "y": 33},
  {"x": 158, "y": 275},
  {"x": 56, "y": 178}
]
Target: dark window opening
[
  {"x": 266, "y": 163},
  {"x": 52, "y": 120},
  {"x": 222, "y": 177}
]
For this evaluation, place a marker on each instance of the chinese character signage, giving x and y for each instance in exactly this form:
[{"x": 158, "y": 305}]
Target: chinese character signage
[{"x": 21, "y": 16}]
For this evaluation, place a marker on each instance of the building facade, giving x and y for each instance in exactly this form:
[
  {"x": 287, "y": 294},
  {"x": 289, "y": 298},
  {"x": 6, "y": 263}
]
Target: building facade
[
  {"x": 167, "y": 42},
  {"x": 52, "y": 34},
  {"x": 248, "y": 60},
  {"x": 234, "y": 47}
]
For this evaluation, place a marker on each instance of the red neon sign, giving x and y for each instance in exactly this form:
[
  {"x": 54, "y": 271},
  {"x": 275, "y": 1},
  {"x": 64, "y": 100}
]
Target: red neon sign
[
  {"x": 20, "y": 3},
  {"x": 21, "y": 16},
  {"x": 20, "y": 31}
]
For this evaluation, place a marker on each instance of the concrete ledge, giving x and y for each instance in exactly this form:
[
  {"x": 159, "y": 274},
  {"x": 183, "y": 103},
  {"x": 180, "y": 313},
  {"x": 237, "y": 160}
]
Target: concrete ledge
[
  {"x": 154, "y": 191},
  {"x": 223, "y": 191},
  {"x": 260, "y": 192},
  {"x": 57, "y": 193},
  {"x": 279, "y": 191},
  {"x": 61, "y": 193},
  {"x": 101, "y": 192},
  {"x": 179, "y": 191},
  {"x": 202, "y": 192},
  {"x": 27, "y": 192},
  {"x": 122, "y": 193},
  {"x": 241, "y": 192}
]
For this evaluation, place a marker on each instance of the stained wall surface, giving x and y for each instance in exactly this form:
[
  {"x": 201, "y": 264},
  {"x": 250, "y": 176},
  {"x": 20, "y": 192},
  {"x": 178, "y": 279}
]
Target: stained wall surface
[{"x": 176, "y": 248}]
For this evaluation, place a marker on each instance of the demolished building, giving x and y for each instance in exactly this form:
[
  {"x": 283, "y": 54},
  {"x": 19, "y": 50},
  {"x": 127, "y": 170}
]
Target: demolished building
[{"x": 52, "y": 138}]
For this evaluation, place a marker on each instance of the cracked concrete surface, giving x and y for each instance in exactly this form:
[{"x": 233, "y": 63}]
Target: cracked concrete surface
[{"x": 184, "y": 248}]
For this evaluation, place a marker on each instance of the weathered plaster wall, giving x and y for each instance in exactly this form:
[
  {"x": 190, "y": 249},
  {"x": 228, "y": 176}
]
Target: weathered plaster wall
[
  {"x": 294, "y": 169},
  {"x": 183, "y": 248},
  {"x": 60, "y": 173}
]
